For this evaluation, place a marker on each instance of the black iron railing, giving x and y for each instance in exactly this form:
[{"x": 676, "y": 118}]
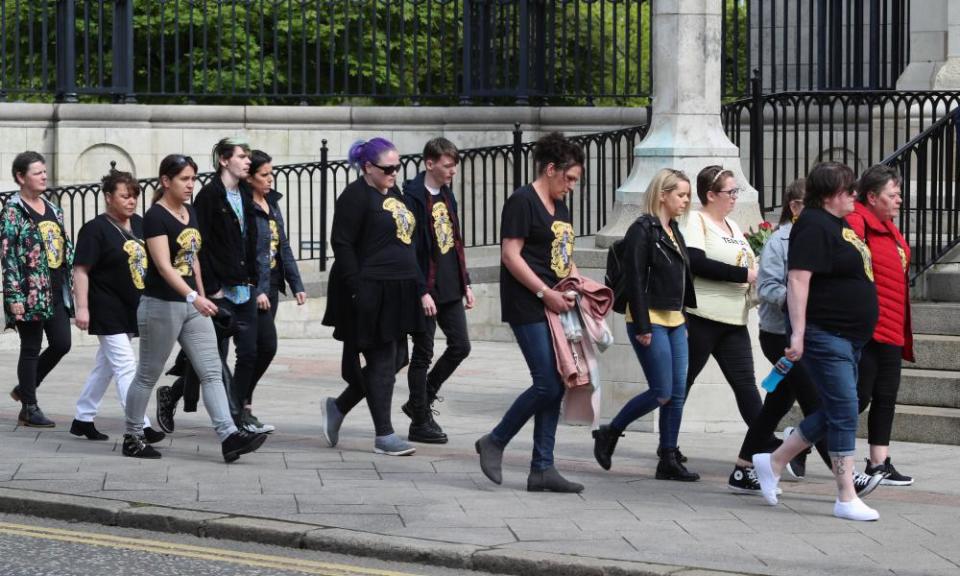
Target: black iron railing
[
  {"x": 486, "y": 177},
  {"x": 285, "y": 51},
  {"x": 799, "y": 129},
  {"x": 930, "y": 213},
  {"x": 815, "y": 44}
]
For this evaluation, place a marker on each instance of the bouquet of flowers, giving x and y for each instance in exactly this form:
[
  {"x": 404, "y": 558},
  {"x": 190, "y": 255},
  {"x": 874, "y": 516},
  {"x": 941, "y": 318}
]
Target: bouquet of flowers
[{"x": 759, "y": 238}]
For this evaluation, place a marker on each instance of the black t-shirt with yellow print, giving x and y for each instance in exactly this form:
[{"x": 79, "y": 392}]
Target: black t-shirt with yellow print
[
  {"x": 843, "y": 296},
  {"x": 386, "y": 249},
  {"x": 54, "y": 242},
  {"x": 117, "y": 262},
  {"x": 183, "y": 241},
  {"x": 447, "y": 283},
  {"x": 547, "y": 249}
]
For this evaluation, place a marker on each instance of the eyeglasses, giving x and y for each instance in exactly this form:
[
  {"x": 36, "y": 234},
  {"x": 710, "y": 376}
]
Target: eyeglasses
[
  {"x": 733, "y": 192},
  {"x": 388, "y": 170}
]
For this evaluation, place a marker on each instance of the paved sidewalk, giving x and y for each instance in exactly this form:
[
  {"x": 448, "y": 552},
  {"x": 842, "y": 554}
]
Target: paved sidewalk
[{"x": 436, "y": 506}]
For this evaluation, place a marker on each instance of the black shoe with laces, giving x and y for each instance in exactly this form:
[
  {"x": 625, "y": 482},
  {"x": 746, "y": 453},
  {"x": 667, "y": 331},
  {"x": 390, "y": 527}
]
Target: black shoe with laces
[
  {"x": 32, "y": 416},
  {"x": 135, "y": 447},
  {"x": 891, "y": 477},
  {"x": 425, "y": 433},
  {"x": 87, "y": 429},
  {"x": 152, "y": 436},
  {"x": 744, "y": 480},
  {"x": 166, "y": 408},
  {"x": 241, "y": 442},
  {"x": 604, "y": 443},
  {"x": 864, "y": 484}
]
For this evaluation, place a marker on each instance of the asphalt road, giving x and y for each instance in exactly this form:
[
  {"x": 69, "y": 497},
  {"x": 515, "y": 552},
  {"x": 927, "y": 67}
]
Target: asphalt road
[{"x": 32, "y": 546}]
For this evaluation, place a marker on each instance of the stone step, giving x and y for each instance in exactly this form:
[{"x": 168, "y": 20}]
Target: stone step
[
  {"x": 942, "y": 286},
  {"x": 937, "y": 388},
  {"x": 937, "y": 352},
  {"x": 936, "y": 318},
  {"x": 926, "y": 424}
]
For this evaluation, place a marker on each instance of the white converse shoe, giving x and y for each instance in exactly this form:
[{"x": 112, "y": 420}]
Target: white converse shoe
[{"x": 855, "y": 510}]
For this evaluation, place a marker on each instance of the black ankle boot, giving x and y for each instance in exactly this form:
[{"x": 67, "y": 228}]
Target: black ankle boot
[
  {"x": 31, "y": 415},
  {"x": 604, "y": 443},
  {"x": 80, "y": 428},
  {"x": 680, "y": 456},
  {"x": 423, "y": 431},
  {"x": 670, "y": 468},
  {"x": 550, "y": 480}
]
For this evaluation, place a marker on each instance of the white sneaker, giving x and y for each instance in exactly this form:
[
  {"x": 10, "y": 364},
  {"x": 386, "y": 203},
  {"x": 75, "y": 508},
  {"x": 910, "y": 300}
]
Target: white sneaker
[
  {"x": 855, "y": 510},
  {"x": 768, "y": 480}
]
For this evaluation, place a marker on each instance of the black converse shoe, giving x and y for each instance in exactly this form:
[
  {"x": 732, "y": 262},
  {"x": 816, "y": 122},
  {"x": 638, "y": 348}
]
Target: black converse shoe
[
  {"x": 865, "y": 483},
  {"x": 135, "y": 447},
  {"x": 743, "y": 480},
  {"x": 891, "y": 477}
]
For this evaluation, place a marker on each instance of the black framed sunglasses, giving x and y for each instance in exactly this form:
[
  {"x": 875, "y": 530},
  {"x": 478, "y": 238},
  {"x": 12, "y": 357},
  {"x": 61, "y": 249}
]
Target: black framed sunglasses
[{"x": 390, "y": 169}]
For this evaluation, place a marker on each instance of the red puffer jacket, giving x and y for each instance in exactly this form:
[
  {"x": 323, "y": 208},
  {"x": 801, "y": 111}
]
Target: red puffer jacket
[{"x": 891, "y": 258}]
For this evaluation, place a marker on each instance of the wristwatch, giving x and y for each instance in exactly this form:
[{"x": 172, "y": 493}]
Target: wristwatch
[
  {"x": 192, "y": 297},
  {"x": 541, "y": 292}
]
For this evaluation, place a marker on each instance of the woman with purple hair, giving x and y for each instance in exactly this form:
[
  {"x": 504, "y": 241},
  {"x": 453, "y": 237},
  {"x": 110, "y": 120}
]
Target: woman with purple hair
[{"x": 374, "y": 291}]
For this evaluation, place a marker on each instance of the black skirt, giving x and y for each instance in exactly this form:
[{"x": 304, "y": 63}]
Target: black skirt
[{"x": 387, "y": 310}]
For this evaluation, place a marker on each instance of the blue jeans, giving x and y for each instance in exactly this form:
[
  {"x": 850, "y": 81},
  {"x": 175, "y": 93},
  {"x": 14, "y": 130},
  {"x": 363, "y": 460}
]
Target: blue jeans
[
  {"x": 664, "y": 364},
  {"x": 831, "y": 361},
  {"x": 541, "y": 401}
]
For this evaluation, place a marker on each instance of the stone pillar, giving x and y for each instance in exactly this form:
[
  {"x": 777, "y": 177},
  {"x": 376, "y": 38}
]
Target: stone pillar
[
  {"x": 928, "y": 44},
  {"x": 685, "y": 132},
  {"x": 948, "y": 77}
]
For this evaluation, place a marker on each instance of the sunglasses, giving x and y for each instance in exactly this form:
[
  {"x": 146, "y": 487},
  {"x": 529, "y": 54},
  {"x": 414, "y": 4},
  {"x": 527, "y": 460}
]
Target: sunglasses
[{"x": 388, "y": 170}]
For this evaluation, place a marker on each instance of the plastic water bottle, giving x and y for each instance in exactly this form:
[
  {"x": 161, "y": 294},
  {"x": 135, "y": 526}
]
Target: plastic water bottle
[{"x": 780, "y": 370}]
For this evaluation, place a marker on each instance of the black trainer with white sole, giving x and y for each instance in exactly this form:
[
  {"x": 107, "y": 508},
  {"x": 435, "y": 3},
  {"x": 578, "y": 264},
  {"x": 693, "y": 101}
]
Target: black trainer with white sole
[{"x": 891, "y": 477}]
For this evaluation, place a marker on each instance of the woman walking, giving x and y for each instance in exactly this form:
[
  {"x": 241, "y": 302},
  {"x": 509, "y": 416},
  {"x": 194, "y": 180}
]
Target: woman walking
[
  {"x": 724, "y": 267},
  {"x": 832, "y": 304},
  {"x": 277, "y": 268},
  {"x": 376, "y": 296},
  {"x": 659, "y": 286},
  {"x": 108, "y": 277},
  {"x": 174, "y": 309},
  {"x": 37, "y": 257},
  {"x": 536, "y": 252},
  {"x": 892, "y": 341}
]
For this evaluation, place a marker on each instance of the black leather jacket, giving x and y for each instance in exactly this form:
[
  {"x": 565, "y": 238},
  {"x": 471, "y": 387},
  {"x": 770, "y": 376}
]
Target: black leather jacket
[
  {"x": 658, "y": 275},
  {"x": 227, "y": 257}
]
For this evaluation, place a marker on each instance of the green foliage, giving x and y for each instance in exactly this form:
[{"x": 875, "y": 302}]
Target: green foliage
[{"x": 330, "y": 51}]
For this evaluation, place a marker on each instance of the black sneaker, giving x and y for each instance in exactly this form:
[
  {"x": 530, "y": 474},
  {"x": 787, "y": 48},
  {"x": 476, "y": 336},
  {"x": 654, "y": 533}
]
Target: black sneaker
[
  {"x": 890, "y": 475},
  {"x": 152, "y": 436},
  {"x": 865, "y": 483},
  {"x": 87, "y": 429},
  {"x": 135, "y": 447},
  {"x": 798, "y": 466},
  {"x": 744, "y": 480},
  {"x": 239, "y": 443},
  {"x": 166, "y": 408}
]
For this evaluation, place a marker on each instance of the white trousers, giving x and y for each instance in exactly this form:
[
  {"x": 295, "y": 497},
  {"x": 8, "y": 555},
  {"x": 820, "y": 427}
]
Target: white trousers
[{"x": 115, "y": 360}]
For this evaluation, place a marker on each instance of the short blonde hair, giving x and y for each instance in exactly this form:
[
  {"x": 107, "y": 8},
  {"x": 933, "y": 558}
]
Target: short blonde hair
[{"x": 666, "y": 180}]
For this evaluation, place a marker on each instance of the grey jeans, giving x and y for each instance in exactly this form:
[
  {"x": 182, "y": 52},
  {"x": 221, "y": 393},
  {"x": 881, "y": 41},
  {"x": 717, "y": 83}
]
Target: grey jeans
[{"x": 161, "y": 323}]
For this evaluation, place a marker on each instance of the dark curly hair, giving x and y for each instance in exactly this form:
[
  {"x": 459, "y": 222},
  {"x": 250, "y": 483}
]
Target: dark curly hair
[
  {"x": 554, "y": 149},
  {"x": 115, "y": 178}
]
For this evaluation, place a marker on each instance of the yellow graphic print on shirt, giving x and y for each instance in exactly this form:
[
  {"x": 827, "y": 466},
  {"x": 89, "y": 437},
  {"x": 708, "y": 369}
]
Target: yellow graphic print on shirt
[
  {"x": 745, "y": 258},
  {"x": 189, "y": 243},
  {"x": 53, "y": 242},
  {"x": 442, "y": 227},
  {"x": 402, "y": 217},
  {"x": 561, "y": 252},
  {"x": 903, "y": 257},
  {"x": 137, "y": 260},
  {"x": 274, "y": 243},
  {"x": 850, "y": 236}
]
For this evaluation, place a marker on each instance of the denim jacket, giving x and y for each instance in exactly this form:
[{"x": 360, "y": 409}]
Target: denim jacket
[
  {"x": 291, "y": 274},
  {"x": 26, "y": 275},
  {"x": 772, "y": 281}
]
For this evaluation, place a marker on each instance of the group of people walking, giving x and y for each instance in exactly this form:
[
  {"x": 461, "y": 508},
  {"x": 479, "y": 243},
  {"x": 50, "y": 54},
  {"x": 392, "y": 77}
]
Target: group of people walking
[{"x": 831, "y": 285}]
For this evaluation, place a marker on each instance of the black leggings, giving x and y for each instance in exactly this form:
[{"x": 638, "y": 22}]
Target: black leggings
[
  {"x": 374, "y": 381},
  {"x": 33, "y": 365},
  {"x": 796, "y": 385},
  {"x": 730, "y": 345},
  {"x": 266, "y": 342},
  {"x": 877, "y": 387}
]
